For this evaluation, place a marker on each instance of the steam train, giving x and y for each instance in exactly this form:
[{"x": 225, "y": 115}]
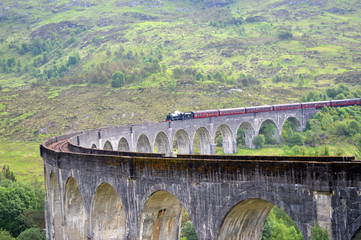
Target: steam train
[{"x": 268, "y": 108}]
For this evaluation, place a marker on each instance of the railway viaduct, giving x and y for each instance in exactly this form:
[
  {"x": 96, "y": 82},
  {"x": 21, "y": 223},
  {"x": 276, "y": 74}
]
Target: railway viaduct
[
  {"x": 159, "y": 137},
  {"x": 107, "y": 183}
]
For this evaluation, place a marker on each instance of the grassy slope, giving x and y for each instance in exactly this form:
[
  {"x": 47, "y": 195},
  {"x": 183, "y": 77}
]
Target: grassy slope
[{"x": 325, "y": 50}]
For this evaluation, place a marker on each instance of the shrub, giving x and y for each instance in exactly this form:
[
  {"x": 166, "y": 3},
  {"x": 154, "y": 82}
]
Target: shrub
[
  {"x": 72, "y": 60},
  {"x": 118, "y": 79},
  {"x": 219, "y": 141},
  {"x": 259, "y": 141},
  {"x": 188, "y": 232},
  {"x": 285, "y": 35},
  {"x": 31, "y": 233},
  {"x": 317, "y": 233},
  {"x": 5, "y": 235}
]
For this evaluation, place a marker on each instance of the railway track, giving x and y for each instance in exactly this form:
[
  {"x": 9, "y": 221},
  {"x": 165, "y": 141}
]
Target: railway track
[{"x": 60, "y": 146}]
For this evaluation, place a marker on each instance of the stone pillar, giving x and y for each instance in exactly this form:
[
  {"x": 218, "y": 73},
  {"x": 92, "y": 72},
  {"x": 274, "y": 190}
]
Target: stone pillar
[
  {"x": 133, "y": 144},
  {"x": 249, "y": 140},
  {"x": 323, "y": 202},
  {"x": 212, "y": 149},
  {"x": 234, "y": 146}
]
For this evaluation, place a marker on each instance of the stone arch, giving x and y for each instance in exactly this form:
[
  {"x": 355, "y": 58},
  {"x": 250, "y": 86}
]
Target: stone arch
[
  {"x": 108, "y": 146},
  {"x": 293, "y": 125},
  {"x": 162, "y": 143},
  {"x": 277, "y": 134},
  {"x": 227, "y": 139},
  {"x": 75, "y": 214},
  {"x": 353, "y": 229},
  {"x": 55, "y": 204},
  {"x": 204, "y": 140},
  {"x": 123, "y": 145},
  {"x": 161, "y": 217},
  {"x": 108, "y": 218},
  {"x": 245, "y": 220},
  {"x": 94, "y": 146},
  {"x": 297, "y": 126},
  {"x": 183, "y": 143},
  {"x": 249, "y": 132},
  {"x": 252, "y": 213},
  {"x": 143, "y": 144}
]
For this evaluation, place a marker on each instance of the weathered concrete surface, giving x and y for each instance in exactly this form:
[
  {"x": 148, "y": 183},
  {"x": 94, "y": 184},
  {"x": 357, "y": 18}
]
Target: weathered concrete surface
[
  {"x": 161, "y": 216},
  {"x": 215, "y": 192},
  {"x": 245, "y": 221},
  {"x": 107, "y": 214}
]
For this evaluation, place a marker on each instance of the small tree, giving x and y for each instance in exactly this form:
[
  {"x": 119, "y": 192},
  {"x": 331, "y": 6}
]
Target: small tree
[
  {"x": 31, "y": 233},
  {"x": 188, "y": 232},
  {"x": 5, "y": 235},
  {"x": 259, "y": 141},
  {"x": 219, "y": 141},
  {"x": 117, "y": 79},
  {"x": 317, "y": 233},
  {"x": 285, "y": 35}
]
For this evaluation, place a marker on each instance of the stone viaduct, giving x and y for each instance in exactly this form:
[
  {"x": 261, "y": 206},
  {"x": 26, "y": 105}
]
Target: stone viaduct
[
  {"x": 159, "y": 137},
  {"x": 108, "y": 183}
]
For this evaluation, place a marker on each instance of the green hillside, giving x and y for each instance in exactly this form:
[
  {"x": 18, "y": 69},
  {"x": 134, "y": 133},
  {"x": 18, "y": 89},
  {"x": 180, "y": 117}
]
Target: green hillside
[{"x": 57, "y": 58}]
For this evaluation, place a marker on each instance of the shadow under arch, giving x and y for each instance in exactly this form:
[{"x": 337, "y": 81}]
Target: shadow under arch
[
  {"x": 204, "y": 140},
  {"x": 108, "y": 218},
  {"x": 56, "y": 217},
  {"x": 249, "y": 132},
  {"x": 246, "y": 219},
  {"x": 143, "y": 144},
  {"x": 75, "y": 215},
  {"x": 161, "y": 217},
  {"x": 227, "y": 139},
  {"x": 182, "y": 142},
  {"x": 108, "y": 146},
  {"x": 161, "y": 144},
  {"x": 123, "y": 145},
  {"x": 94, "y": 146}
]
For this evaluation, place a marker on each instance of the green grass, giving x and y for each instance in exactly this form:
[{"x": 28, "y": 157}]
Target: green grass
[{"x": 24, "y": 160}]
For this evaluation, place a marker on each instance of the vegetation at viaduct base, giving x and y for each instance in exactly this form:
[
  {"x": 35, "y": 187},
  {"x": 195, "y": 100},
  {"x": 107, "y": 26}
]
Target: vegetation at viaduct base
[{"x": 21, "y": 208}]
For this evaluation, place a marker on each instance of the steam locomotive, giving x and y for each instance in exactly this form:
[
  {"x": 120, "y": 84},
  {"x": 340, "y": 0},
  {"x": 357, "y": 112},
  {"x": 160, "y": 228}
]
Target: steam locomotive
[{"x": 268, "y": 108}]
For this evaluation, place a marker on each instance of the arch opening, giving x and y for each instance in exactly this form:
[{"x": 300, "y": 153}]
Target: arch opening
[
  {"x": 56, "y": 219},
  {"x": 161, "y": 144},
  {"x": 245, "y": 135},
  {"x": 181, "y": 143},
  {"x": 123, "y": 145},
  {"x": 202, "y": 141},
  {"x": 108, "y": 146},
  {"x": 161, "y": 217},
  {"x": 107, "y": 215},
  {"x": 289, "y": 133},
  {"x": 143, "y": 144},
  {"x": 258, "y": 219},
  {"x": 223, "y": 138},
  {"x": 75, "y": 216},
  {"x": 270, "y": 132}
]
